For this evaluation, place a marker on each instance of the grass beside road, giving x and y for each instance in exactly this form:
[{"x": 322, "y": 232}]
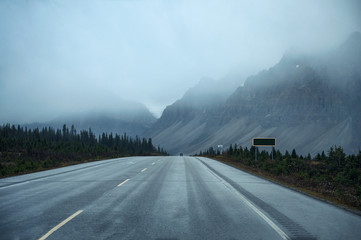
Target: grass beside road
[
  {"x": 26, "y": 165},
  {"x": 337, "y": 194}
]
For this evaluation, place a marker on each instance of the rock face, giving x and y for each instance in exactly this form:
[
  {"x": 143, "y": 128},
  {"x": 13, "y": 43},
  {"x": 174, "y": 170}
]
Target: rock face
[
  {"x": 309, "y": 103},
  {"x": 185, "y": 124}
]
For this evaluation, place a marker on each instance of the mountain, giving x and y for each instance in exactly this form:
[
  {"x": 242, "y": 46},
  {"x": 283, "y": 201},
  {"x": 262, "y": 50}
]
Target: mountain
[
  {"x": 182, "y": 123},
  {"x": 130, "y": 117},
  {"x": 308, "y": 102},
  {"x": 206, "y": 95}
]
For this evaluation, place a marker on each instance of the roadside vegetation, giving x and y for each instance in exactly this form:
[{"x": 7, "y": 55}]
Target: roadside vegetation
[
  {"x": 25, "y": 150},
  {"x": 333, "y": 176}
]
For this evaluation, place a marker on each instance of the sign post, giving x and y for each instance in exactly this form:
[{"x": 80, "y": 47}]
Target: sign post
[
  {"x": 263, "y": 142},
  {"x": 220, "y": 149}
]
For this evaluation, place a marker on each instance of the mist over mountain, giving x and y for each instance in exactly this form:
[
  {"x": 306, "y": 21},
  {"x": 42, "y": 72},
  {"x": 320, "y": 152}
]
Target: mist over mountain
[
  {"x": 178, "y": 119},
  {"x": 309, "y": 102},
  {"x": 128, "y": 117}
]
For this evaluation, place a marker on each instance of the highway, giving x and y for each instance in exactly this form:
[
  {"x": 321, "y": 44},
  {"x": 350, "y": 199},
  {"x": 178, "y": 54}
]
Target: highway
[{"x": 163, "y": 198}]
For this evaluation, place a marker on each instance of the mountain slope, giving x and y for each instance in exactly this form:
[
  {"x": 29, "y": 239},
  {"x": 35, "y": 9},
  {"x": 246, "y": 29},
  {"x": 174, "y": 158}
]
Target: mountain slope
[
  {"x": 183, "y": 123},
  {"x": 308, "y": 102},
  {"x": 130, "y": 117}
]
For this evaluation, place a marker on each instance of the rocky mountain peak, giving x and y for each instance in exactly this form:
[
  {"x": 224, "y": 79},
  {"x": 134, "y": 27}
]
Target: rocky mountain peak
[{"x": 308, "y": 102}]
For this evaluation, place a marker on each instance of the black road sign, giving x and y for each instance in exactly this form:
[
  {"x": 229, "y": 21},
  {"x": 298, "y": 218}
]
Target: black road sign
[{"x": 263, "y": 142}]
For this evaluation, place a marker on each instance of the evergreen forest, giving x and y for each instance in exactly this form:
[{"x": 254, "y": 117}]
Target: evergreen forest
[{"x": 24, "y": 150}]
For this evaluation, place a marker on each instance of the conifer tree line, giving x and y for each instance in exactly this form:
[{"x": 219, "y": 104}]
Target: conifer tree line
[
  {"x": 25, "y": 150},
  {"x": 334, "y": 173}
]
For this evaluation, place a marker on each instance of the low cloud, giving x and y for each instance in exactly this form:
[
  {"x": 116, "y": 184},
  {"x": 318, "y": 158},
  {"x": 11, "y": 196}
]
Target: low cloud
[{"x": 62, "y": 56}]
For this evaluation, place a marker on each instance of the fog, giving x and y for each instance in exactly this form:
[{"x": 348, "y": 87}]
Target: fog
[{"x": 59, "y": 57}]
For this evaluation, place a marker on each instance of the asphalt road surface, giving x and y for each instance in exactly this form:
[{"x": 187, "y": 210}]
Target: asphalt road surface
[{"x": 163, "y": 198}]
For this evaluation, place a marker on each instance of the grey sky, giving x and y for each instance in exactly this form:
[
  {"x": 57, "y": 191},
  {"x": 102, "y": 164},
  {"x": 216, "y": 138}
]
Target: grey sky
[{"x": 64, "y": 56}]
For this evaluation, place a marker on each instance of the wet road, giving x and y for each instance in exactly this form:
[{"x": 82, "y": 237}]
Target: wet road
[{"x": 163, "y": 198}]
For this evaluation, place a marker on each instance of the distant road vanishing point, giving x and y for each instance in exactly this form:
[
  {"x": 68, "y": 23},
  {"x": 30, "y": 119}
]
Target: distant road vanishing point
[{"x": 174, "y": 197}]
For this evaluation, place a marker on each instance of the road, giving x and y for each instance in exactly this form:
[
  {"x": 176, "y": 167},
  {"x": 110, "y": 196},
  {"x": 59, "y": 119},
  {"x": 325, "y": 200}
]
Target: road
[{"x": 163, "y": 198}]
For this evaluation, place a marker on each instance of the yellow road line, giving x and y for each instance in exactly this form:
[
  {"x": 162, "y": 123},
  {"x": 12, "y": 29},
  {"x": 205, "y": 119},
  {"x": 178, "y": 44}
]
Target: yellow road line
[
  {"x": 120, "y": 184},
  {"x": 144, "y": 169},
  {"x": 60, "y": 225}
]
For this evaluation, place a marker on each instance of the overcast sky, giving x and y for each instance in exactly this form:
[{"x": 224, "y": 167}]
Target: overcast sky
[{"x": 64, "y": 56}]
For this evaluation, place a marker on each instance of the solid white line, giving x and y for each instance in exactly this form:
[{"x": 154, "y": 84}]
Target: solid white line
[
  {"x": 14, "y": 184},
  {"x": 60, "y": 225},
  {"x": 153, "y": 163},
  {"x": 144, "y": 169},
  {"x": 120, "y": 184},
  {"x": 253, "y": 207},
  {"x": 264, "y": 217}
]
